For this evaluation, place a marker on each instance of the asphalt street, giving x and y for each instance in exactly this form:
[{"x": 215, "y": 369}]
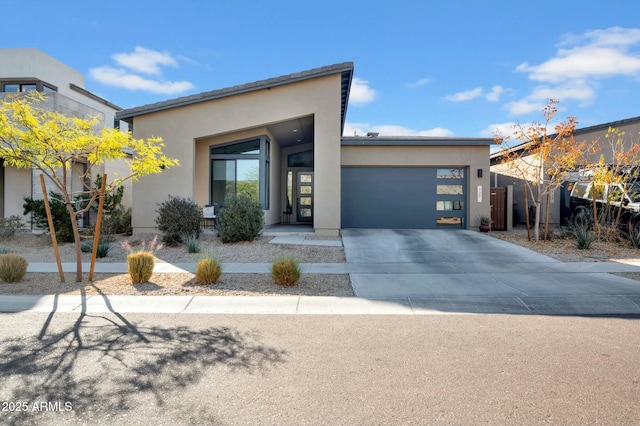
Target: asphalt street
[{"x": 74, "y": 368}]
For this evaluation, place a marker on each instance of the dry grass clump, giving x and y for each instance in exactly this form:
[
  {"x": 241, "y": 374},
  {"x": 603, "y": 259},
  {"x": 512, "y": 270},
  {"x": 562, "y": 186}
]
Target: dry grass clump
[
  {"x": 208, "y": 271},
  {"x": 285, "y": 271},
  {"x": 13, "y": 267}
]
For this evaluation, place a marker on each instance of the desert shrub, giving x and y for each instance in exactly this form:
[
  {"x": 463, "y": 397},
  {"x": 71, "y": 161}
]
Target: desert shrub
[
  {"x": 140, "y": 266},
  {"x": 633, "y": 236},
  {"x": 240, "y": 219},
  {"x": 104, "y": 247},
  {"x": 59, "y": 215},
  {"x": 13, "y": 267},
  {"x": 191, "y": 242},
  {"x": 176, "y": 217},
  {"x": 5, "y": 250},
  {"x": 140, "y": 263},
  {"x": 9, "y": 226},
  {"x": 582, "y": 233},
  {"x": 285, "y": 271},
  {"x": 208, "y": 271}
]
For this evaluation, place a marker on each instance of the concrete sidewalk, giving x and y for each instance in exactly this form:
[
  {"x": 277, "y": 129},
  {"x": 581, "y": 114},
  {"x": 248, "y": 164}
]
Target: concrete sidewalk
[{"x": 393, "y": 272}]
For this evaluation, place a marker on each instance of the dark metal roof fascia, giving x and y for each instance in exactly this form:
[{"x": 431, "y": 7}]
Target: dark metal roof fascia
[
  {"x": 94, "y": 97},
  {"x": 413, "y": 141},
  {"x": 616, "y": 123},
  {"x": 346, "y": 68}
]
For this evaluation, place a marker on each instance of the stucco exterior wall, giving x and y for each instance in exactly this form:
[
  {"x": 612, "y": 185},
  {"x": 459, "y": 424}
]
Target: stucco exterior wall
[
  {"x": 17, "y": 186},
  {"x": 473, "y": 157},
  {"x": 182, "y": 126}
]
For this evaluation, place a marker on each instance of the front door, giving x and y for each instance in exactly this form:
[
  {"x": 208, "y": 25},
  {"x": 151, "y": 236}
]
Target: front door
[{"x": 304, "y": 196}]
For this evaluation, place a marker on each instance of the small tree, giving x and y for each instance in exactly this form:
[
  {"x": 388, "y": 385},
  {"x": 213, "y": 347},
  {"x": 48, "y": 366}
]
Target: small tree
[
  {"x": 546, "y": 160},
  {"x": 34, "y": 137}
]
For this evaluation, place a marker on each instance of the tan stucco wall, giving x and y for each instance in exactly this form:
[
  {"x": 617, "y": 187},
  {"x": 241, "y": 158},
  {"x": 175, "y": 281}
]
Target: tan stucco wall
[
  {"x": 473, "y": 157},
  {"x": 17, "y": 186},
  {"x": 182, "y": 126}
]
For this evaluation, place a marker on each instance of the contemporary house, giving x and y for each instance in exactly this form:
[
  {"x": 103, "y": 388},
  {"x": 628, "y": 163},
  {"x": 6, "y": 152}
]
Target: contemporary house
[
  {"x": 22, "y": 70},
  {"x": 559, "y": 209},
  {"x": 280, "y": 141}
]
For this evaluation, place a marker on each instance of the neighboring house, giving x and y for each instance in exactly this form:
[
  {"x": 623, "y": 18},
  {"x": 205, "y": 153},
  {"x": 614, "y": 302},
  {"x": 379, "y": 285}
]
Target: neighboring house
[
  {"x": 559, "y": 209},
  {"x": 22, "y": 70},
  {"x": 280, "y": 141}
]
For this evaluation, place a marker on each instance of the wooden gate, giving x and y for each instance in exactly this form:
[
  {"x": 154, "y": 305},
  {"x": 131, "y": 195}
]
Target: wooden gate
[{"x": 499, "y": 209}]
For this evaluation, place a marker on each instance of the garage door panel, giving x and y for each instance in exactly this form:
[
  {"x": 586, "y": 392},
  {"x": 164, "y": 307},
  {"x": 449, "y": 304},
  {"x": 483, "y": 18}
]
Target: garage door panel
[{"x": 401, "y": 198}]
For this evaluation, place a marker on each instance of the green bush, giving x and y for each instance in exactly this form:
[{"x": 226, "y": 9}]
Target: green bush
[
  {"x": 104, "y": 247},
  {"x": 177, "y": 217},
  {"x": 285, "y": 271},
  {"x": 582, "y": 233},
  {"x": 13, "y": 267},
  {"x": 208, "y": 271},
  {"x": 140, "y": 266},
  {"x": 59, "y": 215},
  {"x": 5, "y": 250},
  {"x": 240, "y": 219},
  {"x": 9, "y": 226}
]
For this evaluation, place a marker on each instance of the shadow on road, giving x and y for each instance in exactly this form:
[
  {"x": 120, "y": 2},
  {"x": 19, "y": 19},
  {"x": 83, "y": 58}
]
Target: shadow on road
[{"x": 99, "y": 365}]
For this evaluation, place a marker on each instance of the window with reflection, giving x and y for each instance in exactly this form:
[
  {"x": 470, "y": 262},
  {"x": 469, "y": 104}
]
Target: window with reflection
[{"x": 241, "y": 167}]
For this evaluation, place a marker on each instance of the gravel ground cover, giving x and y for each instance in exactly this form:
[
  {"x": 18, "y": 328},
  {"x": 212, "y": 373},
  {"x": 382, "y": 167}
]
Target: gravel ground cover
[
  {"x": 565, "y": 250},
  {"x": 38, "y": 248}
]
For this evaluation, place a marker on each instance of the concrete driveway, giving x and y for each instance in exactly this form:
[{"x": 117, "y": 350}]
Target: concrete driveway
[{"x": 465, "y": 271}]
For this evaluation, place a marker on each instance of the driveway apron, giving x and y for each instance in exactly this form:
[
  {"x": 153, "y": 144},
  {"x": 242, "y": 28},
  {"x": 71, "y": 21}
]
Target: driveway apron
[{"x": 466, "y": 271}]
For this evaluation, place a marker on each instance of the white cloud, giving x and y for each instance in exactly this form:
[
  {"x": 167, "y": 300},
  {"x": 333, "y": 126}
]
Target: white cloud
[
  {"x": 494, "y": 95},
  {"x": 361, "y": 93},
  {"x": 120, "y": 78},
  {"x": 146, "y": 61},
  {"x": 577, "y": 90},
  {"x": 465, "y": 96},
  {"x": 361, "y": 129},
  {"x": 583, "y": 62},
  {"x": 598, "y": 53},
  {"x": 504, "y": 129},
  {"x": 419, "y": 83}
]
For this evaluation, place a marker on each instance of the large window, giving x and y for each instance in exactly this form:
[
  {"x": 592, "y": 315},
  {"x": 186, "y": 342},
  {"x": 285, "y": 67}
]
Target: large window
[{"x": 241, "y": 167}]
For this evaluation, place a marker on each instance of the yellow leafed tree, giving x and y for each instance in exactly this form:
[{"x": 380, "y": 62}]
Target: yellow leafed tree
[{"x": 34, "y": 137}]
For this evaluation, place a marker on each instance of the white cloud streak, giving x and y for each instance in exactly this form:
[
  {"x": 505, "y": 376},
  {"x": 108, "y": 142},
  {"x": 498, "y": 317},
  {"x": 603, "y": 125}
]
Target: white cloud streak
[
  {"x": 140, "y": 61},
  {"x": 361, "y": 129},
  {"x": 146, "y": 61},
  {"x": 120, "y": 78},
  {"x": 419, "y": 83}
]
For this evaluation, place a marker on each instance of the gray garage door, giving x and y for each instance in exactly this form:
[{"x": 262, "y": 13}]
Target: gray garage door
[{"x": 404, "y": 197}]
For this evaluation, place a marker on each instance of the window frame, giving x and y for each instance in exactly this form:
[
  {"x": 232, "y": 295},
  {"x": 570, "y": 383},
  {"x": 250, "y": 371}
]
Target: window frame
[{"x": 264, "y": 168}]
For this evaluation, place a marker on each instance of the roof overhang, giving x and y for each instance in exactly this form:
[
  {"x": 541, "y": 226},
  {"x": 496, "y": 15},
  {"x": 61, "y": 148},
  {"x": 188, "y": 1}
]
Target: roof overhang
[
  {"x": 345, "y": 69},
  {"x": 414, "y": 141}
]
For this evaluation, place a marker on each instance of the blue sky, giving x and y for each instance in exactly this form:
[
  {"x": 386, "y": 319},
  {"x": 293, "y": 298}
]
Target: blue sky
[{"x": 434, "y": 68}]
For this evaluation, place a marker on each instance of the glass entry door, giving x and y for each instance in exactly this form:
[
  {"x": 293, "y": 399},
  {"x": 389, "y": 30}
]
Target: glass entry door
[{"x": 304, "y": 196}]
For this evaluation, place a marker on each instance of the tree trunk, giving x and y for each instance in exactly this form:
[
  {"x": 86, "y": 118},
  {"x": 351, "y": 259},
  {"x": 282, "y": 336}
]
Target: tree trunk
[
  {"x": 546, "y": 216},
  {"x": 536, "y": 229},
  {"x": 76, "y": 238}
]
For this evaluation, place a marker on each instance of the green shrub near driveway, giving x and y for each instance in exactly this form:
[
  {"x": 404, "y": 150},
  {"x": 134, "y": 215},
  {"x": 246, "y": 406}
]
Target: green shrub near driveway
[{"x": 240, "y": 219}]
